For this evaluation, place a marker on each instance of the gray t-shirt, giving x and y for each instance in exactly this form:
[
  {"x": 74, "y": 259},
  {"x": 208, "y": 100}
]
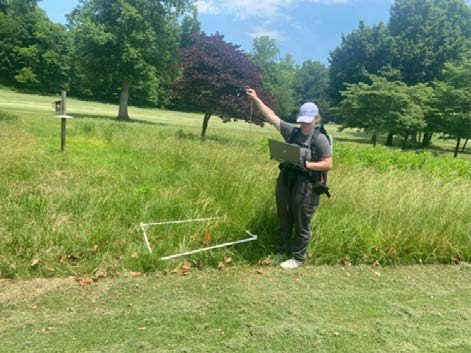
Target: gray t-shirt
[{"x": 322, "y": 144}]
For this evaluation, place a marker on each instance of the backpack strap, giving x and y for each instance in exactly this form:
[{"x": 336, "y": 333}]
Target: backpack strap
[
  {"x": 293, "y": 135},
  {"x": 315, "y": 155}
]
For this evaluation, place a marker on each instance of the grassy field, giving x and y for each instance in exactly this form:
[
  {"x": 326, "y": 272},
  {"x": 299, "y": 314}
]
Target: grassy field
[
  {"x": 75, "y": 217},
  {"x": 79, "y": 212},
  {"x": 318, "y": 309}
]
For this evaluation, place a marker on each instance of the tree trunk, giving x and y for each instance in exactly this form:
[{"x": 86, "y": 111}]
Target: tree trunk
[
  {"x": 464, "y": 146},
  {"x": 389, "y": 140},
  {"x": 207, "y": 116},
  {"x": 123, "y": 102},
  {"x": 414, "y": 138},
  {"x": 373, "y": 140},
  {"x": 405, "y": 141},
  {"x": 427, "y": 139},
  {"x": 458, "y": 141}
]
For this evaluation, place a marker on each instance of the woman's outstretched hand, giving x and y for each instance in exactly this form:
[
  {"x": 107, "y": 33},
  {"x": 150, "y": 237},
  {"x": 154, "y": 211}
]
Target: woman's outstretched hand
[{"x": 251, "y": 92}]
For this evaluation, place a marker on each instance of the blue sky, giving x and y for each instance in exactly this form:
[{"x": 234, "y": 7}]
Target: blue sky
[{"x": 307, "y": 29}]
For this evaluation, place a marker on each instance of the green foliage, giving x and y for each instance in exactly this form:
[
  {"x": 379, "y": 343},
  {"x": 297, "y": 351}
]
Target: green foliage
[
  {"x": 277, "y": 74},
  {"x": 429, "y": 33},
  {"x": 123, "y": 44},
  {"x": 452, "y": 104},
  {"x": 189, "y": 26},
  {"x": 367, "y": 50},
  {"x": 26, "y": 76},
  {"x": 384, "y": 106},
  {"x": 383, "y": 159},
  {"x": 420, "y": 38},
  {"x": 33, "y": 50},
  {"x": 311, "y": 84}
]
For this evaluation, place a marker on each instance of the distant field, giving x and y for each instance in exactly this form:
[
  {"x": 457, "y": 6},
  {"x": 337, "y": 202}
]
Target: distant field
[{"x": 41, "y": 106}]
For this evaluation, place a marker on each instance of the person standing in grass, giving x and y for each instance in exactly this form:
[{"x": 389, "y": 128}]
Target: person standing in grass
[{"x": 296, "y": 200}]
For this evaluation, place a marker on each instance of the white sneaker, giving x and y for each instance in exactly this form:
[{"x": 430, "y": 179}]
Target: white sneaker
[{"x": 291, "y": 264}]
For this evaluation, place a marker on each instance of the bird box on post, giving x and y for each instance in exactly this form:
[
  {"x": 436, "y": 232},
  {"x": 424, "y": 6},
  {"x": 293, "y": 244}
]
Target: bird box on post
[
  {"x": 63, "y": 116},
  {"x": 58, "y": 106}
]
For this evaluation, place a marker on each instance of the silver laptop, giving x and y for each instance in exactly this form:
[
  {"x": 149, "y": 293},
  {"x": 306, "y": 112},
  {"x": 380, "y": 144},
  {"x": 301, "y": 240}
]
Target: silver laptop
[{"x": 284, "y": 152}]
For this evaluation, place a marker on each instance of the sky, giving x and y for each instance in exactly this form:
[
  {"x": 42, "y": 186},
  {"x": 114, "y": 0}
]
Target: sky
[{"x": 306, "y": 29}]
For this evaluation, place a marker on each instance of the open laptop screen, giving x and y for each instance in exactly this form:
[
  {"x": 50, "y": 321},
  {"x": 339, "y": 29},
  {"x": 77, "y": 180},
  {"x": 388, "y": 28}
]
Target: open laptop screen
[{"x": 284, "y": 152}]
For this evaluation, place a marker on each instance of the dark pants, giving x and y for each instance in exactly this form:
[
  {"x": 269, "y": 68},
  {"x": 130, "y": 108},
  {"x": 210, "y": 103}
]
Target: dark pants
[{"x": 296, "y": 203}]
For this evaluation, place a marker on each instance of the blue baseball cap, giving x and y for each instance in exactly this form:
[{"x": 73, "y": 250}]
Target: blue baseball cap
[{"x": 307, "y": 113}]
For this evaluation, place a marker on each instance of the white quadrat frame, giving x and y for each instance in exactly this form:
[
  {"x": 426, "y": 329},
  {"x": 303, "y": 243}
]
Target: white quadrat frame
[{"x": 143, "y": 226}]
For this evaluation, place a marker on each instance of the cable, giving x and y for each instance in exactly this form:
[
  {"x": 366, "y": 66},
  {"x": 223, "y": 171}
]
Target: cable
[{"x": 250, "y": 123}]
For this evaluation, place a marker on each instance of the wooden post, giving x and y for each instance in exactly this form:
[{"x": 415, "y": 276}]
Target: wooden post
[{"x": 63, "y": 119}]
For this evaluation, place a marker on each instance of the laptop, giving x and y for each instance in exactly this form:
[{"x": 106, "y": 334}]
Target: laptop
[{"x": 284, "y": 152}]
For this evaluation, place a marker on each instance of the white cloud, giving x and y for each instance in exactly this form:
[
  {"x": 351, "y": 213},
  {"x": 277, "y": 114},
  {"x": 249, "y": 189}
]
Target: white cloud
[
  {"x": 270, "y": 12},
  {"x": 263, "y": 31},
  {"x": 329, "y": 2},
  {"x": 255, "y": 8},
  {"x": 245, "y": 8},
  {"x": 207, "y": 7}
]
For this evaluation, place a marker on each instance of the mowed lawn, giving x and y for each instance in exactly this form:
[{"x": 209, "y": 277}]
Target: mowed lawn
[
  {"x": 42, "y": 106},
  {"x": 262, "y": 309}
]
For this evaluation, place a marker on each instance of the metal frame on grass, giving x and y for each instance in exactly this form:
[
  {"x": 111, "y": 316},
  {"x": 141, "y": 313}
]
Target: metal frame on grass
[{"x": 143, "y": 226}]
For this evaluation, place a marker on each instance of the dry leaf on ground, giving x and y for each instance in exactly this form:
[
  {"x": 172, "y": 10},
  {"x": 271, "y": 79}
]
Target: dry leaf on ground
[
  {"x": 185, "y": 269},
  {"x": 207, "y": 237},
  {"x": 85, "y": 281}
]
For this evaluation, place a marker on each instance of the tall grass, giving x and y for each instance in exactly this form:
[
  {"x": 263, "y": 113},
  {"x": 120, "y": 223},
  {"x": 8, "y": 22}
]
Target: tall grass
[{"x": 80, "y": 211}]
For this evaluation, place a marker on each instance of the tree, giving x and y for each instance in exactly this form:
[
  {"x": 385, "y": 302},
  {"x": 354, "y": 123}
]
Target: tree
[
  {"x": 3, "y": 5},
  {"x": 384, "y": 106},
  {"x": 33, "y": 50},
  {"x": 189, "y": 26},
  {"x": 365, "y": 51},
  {"x": 429, "y": 33},
  {"x": 214, "y": 74},
  {"x": 311, "y": 83},
  {"x": 453, "y": 98},
  {"x": 130, "y": 42},
  {"x": 277, "y": 73}
]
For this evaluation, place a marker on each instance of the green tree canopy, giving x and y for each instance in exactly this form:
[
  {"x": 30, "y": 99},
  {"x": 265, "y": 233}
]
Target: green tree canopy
[
  {"x": 429, "y": 33},
  {"x": 384, "y": 106},
  {"x": 311, "y": 83},
  {"x": 33, "y": 50},
  {"x": 453, "y": 101},
  {"x": 277, "y": 73},
  {"x": 367, "y": 50},
  {"x": 190, "y": 25},
  {"x": 127, "y": 43}
]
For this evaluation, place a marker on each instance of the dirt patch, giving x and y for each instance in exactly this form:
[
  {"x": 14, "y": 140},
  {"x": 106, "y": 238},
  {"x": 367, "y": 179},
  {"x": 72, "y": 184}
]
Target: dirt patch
[{"x": 27, "y": 291}]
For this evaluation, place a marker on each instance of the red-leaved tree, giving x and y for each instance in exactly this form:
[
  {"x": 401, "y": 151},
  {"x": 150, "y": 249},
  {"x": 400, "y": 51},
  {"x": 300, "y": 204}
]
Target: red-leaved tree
[{"x": 214, "y": 75}]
